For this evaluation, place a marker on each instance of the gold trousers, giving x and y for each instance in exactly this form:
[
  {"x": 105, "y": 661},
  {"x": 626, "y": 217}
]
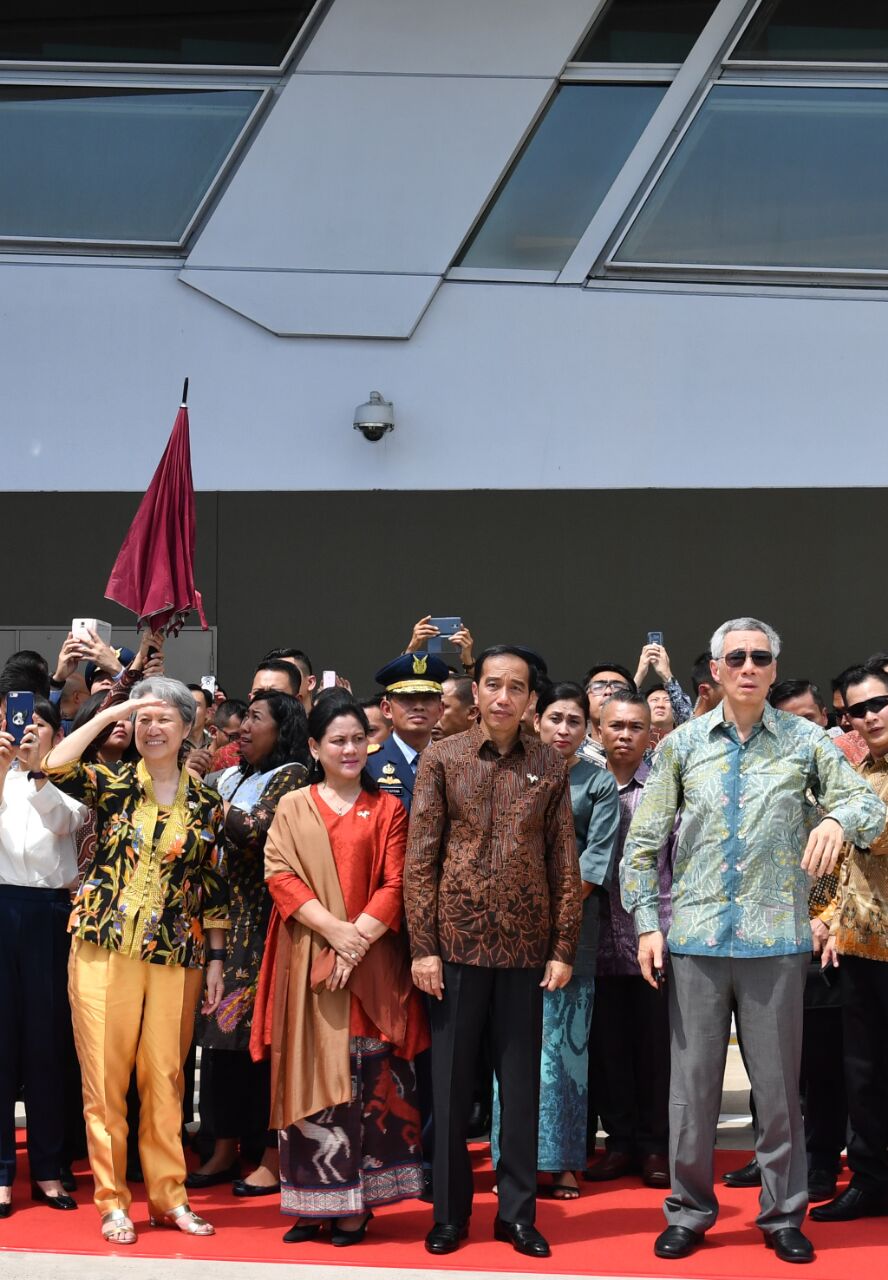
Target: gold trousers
[{"x": 129, "y": 1013}]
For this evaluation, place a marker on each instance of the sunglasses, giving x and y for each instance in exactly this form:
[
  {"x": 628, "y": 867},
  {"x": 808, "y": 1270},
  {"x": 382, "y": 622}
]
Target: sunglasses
[
  {"x": 737, "y": 658},
  {"x": 606, "y": 686},
  {"x": 860, "y": 710}
]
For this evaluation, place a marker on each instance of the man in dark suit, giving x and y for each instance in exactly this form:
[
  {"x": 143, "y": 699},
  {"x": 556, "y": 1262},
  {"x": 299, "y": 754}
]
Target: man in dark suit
[{"x": 412, "y": 702}]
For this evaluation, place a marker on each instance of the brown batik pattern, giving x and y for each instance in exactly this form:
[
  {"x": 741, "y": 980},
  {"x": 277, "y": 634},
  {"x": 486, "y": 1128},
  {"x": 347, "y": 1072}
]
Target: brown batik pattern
[{"x": 491, "y": 876}]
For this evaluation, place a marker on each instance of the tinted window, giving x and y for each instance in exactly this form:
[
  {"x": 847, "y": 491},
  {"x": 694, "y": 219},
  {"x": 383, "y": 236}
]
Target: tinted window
[
  {"x": 112, "y": 164},
  {"x": 561, "y": 177},
  {"x": 218, "y": 32},
  {"x": 770, "y": 176}
]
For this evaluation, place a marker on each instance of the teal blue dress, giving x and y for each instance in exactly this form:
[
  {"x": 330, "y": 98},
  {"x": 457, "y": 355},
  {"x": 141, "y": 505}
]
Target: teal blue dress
[{"x": 567, "y": 1014}]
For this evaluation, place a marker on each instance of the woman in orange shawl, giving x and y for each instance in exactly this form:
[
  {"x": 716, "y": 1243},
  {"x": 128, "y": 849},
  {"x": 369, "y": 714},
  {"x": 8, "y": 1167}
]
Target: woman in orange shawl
[{"x": 336, "y": 1005}]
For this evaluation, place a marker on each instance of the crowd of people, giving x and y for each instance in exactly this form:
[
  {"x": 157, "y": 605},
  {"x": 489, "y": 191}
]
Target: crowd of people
[{"x": 480, "y": 899}]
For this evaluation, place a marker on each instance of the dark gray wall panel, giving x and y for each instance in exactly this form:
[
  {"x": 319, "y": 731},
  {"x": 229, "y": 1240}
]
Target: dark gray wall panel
[{"x": 580, "y": 574}]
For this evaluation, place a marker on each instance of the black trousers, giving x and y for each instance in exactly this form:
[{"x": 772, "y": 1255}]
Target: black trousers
[
  {"x": 34, "y": 1011},
  {"x": 629, "y": 1058},
  {"x": 510, "y": 1002},
  {"x": 238, "y": 1101},
  {"x": 865, "y": 1026},
  {"x": 822, "y": 1085}
]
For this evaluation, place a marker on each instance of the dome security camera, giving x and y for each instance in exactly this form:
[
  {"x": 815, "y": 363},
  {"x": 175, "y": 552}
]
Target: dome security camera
[{"x": 374, "y": 418}]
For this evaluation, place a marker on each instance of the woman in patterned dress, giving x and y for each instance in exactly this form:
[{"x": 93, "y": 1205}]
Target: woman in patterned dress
[
  {"x": 234, "y": 1095},
  {"x": 336, "y": 1005}
]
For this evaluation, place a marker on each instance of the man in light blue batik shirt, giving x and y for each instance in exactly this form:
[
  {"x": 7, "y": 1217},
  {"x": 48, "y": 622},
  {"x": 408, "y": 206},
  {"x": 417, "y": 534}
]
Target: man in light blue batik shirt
[{"x": 742, "y": 777}]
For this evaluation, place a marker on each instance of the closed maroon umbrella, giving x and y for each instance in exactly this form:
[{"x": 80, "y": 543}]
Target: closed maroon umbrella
[{"x": 153, "y": 575}]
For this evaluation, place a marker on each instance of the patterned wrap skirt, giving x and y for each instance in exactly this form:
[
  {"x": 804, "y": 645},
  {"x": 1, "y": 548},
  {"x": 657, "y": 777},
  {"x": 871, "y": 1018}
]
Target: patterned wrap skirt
[
  {"x": 346, "y": 1159},
  {"x": 564, "y": 1079}
]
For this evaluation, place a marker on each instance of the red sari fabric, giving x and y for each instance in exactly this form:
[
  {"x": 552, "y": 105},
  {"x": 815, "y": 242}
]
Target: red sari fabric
[{"x": 368, "y": 844}]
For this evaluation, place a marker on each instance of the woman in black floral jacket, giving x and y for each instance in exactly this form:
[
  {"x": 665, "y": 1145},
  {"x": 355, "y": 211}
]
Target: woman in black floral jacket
[{"x": 155, "y": 887}]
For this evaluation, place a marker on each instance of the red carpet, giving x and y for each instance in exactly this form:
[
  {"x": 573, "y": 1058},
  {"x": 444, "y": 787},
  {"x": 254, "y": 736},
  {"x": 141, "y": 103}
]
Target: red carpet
[{"x": 609, "y": 1231}]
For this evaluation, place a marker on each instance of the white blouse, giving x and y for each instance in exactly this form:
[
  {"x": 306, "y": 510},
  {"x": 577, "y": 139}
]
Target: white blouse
[{"x": 37, "y": 849}]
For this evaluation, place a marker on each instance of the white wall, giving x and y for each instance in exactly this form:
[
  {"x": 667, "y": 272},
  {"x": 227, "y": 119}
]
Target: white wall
[{"x": 500, "y": 386}]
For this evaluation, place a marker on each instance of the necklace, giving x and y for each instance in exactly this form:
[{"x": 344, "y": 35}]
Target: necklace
[{"x": 337, "y": 804}]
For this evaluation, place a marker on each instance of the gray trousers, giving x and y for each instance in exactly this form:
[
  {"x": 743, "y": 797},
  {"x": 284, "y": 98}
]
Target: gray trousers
[{"x": 766, "y": 996}]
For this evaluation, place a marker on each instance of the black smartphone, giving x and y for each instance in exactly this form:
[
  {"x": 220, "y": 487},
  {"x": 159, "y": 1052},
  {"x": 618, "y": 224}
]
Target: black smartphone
[
  {"x": 446, "y": 628},
  {"x": 660, "y": 975},
  {"x": 19, "y": 713}
]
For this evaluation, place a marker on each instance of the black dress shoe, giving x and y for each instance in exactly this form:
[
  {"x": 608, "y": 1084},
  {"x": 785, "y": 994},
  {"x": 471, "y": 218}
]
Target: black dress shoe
[
  {"x": 616, "y": 1164},
  {"x": 445, "y": 1237},
  {"x": 197, "y": 1180},
  {"x": 302, "y": 1231},
  {"x": 677, "y": 1242},
  {"x": 821, "y": 1184},
  {"x": 479, "y": 1122},
  {"x": 750, "y": 1175},
  {"x": 852, "y": 1203},
  {"x": 522, "y": 1237},
  {"x": 790, "y": 1245},
  {"x": 6, "y": 1209},
  {"x": 427, "y": 1194},
  {"x": 54, "y": 1202},
  {"x": 67, "y": 1179},
  {"x": 341, "y": 1236},
  {"x": 242, "y": 1188},
  {"x": 655, "y": 1171}
]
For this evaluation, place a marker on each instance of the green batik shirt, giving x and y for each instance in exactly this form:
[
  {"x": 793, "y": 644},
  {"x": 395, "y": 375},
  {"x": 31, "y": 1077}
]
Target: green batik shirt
[{"x": 738, "y": 888}]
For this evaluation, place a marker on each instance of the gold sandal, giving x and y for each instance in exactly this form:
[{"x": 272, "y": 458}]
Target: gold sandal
[
  {"x": 115, "y": 1223},
  {"x": 185, "y": 1219}
]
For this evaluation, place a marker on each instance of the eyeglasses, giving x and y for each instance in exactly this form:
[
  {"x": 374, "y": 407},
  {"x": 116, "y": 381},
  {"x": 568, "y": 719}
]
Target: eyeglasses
[
  {"x": 737, "y": 658},
  {"x": 860, "y": 710},
  {"x": 606, "y": 686}
]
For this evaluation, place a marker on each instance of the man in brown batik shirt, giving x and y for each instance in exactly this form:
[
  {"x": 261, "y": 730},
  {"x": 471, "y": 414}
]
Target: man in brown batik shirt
[{"x": 493, "y": 902}]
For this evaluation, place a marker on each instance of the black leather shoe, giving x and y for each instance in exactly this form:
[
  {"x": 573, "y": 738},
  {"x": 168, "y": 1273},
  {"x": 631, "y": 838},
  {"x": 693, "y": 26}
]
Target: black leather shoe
[
  {"x": 6, "y": 1209},
  {"x": 67, "y": 1179},
  {"x": 241, "y": 1188},
  {"x": 821, "y": 1184},
  {"x": 852, "y": 1203},
  {"x": 198, "y": 1180},
  {"x": 522, "y": 1237},
  {"x": 302, "y": 1231},
  {"x": 677, "y": 1242},
  {"x": 749, "y": 1176},
  {"x": 655, "y": 1171},
  {"x": 479, "y": 1122},
  {"x": 55, "y": 1202},
  {"x": 341, "y": 1236},
  {"x": 790, "y": 1245},
  {"x": 445, "y": 1237},
  {"x": 616, "y": 1164}
]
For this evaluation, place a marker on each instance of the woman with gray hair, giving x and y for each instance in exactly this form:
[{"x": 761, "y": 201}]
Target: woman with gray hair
[{"x": 152, "y": 894}]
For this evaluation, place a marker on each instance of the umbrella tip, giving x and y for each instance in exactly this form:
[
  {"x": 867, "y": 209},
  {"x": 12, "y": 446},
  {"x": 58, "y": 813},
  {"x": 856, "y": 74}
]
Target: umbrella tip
[{"x": 185, "y": 393}]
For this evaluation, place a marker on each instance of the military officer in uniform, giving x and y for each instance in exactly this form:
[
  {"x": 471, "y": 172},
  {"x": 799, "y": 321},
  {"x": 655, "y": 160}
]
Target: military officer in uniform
[{"x": 412, "y": 701}]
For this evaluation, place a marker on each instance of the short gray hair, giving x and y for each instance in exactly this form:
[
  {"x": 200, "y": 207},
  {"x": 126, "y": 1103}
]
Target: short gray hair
[
  {"x": 174, "y": 692},
  {"x": 717, "y": 643}
]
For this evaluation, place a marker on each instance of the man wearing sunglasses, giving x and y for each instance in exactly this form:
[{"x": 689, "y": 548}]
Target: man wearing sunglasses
[
  {"x": 859, "y": 935},
  {"x": 740, "y": 937}
]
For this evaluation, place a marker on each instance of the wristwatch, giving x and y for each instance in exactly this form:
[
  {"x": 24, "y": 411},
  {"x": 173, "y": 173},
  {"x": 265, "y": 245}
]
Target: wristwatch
[
  {"x": 36, "y": 775},
  {"x": 215, "y": 953}
]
